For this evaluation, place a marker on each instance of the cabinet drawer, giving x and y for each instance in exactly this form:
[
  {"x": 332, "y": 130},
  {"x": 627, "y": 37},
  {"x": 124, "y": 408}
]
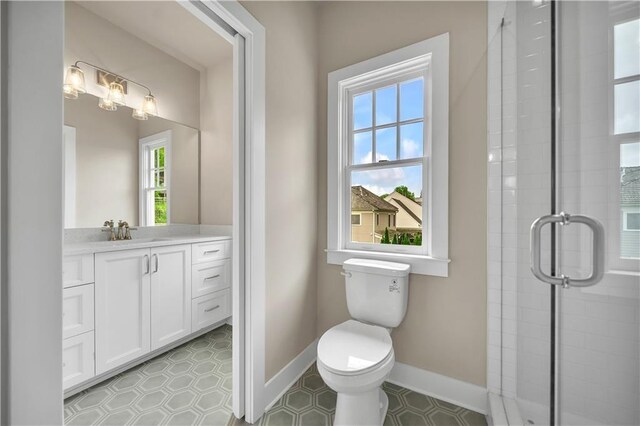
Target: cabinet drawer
[
  {"x": 215, "y": 250},
  {"x": 208, "y": 310},
  {"x": 77, "y": 359},
  {"x": 209, "y": 277},
  {"x": 77, "y": 310},
  {"x": 77, "y": 269}
]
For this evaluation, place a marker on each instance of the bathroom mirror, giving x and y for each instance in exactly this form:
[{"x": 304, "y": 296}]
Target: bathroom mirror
[{"x": 116, "y": 167}]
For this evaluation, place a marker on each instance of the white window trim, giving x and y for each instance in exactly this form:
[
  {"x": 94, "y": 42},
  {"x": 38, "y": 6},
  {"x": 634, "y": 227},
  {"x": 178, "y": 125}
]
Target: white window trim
[
  {"x": 434, "y": 53},
  {"x": 145, "y": 145}
]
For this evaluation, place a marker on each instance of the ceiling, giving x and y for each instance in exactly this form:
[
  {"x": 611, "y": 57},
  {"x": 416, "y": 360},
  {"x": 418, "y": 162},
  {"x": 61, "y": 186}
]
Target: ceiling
[{"x": 167, "y": 26}]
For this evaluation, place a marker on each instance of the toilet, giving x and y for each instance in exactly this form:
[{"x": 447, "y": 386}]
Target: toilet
[{"x": 356, "y": 357}]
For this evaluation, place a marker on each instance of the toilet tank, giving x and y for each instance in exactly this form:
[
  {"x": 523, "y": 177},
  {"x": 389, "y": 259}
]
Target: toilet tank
[{"x": 377, "y": 291}]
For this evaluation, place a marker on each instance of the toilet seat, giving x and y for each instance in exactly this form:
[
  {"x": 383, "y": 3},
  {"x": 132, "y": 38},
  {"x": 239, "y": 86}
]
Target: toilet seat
[{"x": 354, "y": 348}]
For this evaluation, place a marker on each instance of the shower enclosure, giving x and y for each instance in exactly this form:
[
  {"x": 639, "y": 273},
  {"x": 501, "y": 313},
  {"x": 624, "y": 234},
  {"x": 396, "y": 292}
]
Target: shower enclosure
[{"x": 564, "y": 153}]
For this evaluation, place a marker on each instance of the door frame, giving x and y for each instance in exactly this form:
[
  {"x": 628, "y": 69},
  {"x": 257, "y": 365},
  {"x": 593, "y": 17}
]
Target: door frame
[{"x": 30, "y": 324}]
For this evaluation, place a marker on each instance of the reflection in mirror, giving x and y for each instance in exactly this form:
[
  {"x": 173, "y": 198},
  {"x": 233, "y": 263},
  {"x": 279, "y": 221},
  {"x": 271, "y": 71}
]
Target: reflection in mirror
[{"x": 117, "y": 167}]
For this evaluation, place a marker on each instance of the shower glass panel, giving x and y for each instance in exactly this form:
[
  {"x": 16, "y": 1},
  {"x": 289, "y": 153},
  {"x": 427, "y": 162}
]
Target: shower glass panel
[
  {"x": 599, "y": 176},
  {"x": 569, "y": 356}
]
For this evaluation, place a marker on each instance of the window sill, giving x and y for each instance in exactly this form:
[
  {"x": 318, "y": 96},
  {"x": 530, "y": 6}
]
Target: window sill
[{"x": 421, "y": 265}]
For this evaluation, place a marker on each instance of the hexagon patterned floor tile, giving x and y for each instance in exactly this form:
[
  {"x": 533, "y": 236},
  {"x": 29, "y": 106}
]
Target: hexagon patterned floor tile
[
  {"x": 310, "y": 402},
  {"x": 186, "y": 386}
]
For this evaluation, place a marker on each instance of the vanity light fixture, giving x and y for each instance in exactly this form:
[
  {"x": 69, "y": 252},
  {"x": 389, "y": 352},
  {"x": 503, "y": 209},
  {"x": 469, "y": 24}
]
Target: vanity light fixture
[
  {"x": 74, "y": 85},
  {"x": 74, "y": 82}
]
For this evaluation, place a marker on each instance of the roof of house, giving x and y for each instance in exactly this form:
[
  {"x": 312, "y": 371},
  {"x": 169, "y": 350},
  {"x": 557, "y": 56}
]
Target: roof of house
[
  {"x": 413, "y": 208},
  {"x": 630, "y": 186},
  {"x": 364, "y": 200}
]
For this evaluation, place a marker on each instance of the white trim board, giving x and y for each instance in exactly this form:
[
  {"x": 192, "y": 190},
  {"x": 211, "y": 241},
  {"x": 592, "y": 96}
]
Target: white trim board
[
  {"x": 435, "y": 385},
  {"x": 462, "y": 394},
  {"x": 279, "y": 384}
]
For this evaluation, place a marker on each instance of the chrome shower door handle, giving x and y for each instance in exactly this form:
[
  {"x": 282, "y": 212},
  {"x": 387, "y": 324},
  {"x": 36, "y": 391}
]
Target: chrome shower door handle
[{"x": 597, "y": 271}]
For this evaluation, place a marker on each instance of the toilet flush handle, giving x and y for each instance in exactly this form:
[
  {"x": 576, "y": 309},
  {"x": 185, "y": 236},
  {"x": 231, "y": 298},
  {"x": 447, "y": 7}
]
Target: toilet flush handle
[{"x": 345, "y": 274}]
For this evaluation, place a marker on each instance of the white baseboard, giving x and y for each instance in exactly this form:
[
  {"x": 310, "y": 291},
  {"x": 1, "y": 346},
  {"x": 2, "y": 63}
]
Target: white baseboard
[
  {"x": 455, "y": 391},
  {"x": 285, "y": 378},
  {"x": 445, "y": 388}
]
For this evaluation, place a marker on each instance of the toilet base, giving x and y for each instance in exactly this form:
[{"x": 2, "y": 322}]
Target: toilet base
[{"x": 359, "y": 409}]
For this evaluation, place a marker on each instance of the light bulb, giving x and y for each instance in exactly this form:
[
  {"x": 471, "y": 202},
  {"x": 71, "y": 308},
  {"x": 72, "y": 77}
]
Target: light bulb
[
  {"x": 74, "y": 80},
  {"x": 116, "y": 93},
  {"x": 139, "y": 114},
  {"x": 69, "y": 92},
  {"x": 149, "y": 105},
  {"x": 107, "y": 104}
]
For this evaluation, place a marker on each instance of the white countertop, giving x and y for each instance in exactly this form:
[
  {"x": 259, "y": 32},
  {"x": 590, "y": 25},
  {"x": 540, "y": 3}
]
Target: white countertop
[{"x": 106, "y": 246}]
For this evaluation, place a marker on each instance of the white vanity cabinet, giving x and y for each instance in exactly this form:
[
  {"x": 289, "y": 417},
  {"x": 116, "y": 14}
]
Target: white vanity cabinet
[
  {"x": 78, "y": 363},
  {"x": 170, "y": 294},
  {"x": 123, "y": 314},
  {"x": 124, "y": 306},
  {"x": 210, "y": 283},
  {"x": 144, "y": 302}
]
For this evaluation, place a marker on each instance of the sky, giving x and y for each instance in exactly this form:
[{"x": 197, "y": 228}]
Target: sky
[{"x": 408, "y": 135}]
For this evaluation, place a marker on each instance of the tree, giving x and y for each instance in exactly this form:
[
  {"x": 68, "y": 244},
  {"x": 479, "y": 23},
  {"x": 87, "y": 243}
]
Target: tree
[
  {"x": 417, "y": 240},
  {"x": 405, "y": 240},
  {"x": 402, "y": 189},
  {"x": 385, "y": 238},
  {"x": 395, "y": 239}
]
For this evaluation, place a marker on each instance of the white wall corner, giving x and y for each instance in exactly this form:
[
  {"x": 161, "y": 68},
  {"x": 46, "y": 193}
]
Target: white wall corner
[
  {"x": 279, "y": 384},
  {"x": 462, "y": 394}
]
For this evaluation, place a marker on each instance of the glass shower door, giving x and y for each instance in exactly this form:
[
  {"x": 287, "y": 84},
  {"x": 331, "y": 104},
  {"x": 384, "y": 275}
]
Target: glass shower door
[{"x": 597, "y": 379}]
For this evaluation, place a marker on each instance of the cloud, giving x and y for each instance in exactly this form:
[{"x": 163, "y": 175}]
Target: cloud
[{"x": 410, "y": 148}]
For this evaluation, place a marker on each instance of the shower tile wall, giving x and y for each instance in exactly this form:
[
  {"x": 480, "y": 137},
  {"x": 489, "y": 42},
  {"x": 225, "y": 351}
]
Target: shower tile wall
[{"x": 519, "y": 185}]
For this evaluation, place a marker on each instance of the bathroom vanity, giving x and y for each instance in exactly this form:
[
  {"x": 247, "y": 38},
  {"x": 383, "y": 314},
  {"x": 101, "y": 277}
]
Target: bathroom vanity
[{"x": 125, "y": 302}]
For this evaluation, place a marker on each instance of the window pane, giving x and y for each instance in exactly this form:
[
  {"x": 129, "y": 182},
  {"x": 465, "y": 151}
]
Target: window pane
[
  {"x": 386, "y": 105},
  {"x": 362, "y": 111},
  {"x": 355, "y": 219},
  {"x": 629, "y": 200},
  {"x": 627, "y": 108},
  {"x": 627, "y": 49},
  {"x": 412, "y": 140},
  {"x": 386, "y": 146},
  {"x": 633, "y": 221},
  {"x": 387, "y": 196},
  {"x": 362, "y": 148},
  {"x": 412, "y": 100},
  {"x": 160, "y": 199}
]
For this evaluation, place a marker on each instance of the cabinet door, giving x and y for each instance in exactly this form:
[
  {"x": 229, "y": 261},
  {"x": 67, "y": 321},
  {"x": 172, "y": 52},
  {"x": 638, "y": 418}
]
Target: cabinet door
[
  {"x": 77, "y": 359},
  {"x": 170, "y": 294},
  {"x": 122, "y": 295}
]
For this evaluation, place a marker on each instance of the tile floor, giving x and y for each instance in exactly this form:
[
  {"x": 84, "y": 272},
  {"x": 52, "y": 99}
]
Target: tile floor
[
  {"x": 310, "y": 402},
  {"x": 189, "y": 385}
]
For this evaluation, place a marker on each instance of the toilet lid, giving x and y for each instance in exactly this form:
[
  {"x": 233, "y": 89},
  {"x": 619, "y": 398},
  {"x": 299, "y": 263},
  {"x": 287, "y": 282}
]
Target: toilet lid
[{"x": 353, "y": 347}]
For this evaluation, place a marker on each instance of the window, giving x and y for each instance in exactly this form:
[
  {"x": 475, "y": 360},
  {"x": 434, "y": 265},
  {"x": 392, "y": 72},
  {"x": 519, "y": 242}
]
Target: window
[
  {"x": 625, "y": 133},
  {"x": 631, "y": 221},
  {"x": 155, "y": 174},
  {"x": 355, "y": 219},
  {"x": 388, "y": 151}
]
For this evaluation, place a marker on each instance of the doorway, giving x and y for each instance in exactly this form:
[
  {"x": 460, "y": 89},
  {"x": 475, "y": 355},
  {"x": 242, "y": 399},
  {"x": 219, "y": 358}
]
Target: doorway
[{"x": 24, "y": 367}]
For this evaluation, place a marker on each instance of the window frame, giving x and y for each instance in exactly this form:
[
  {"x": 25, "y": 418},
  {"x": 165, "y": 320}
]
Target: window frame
[
  {"x": 146, "y": 194},
  {"x": 429, "y": 58},
  {"x": 615, "y": 260},
  {"x": 625, "y": 212},
  {"x": 359, "y": 219}
]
